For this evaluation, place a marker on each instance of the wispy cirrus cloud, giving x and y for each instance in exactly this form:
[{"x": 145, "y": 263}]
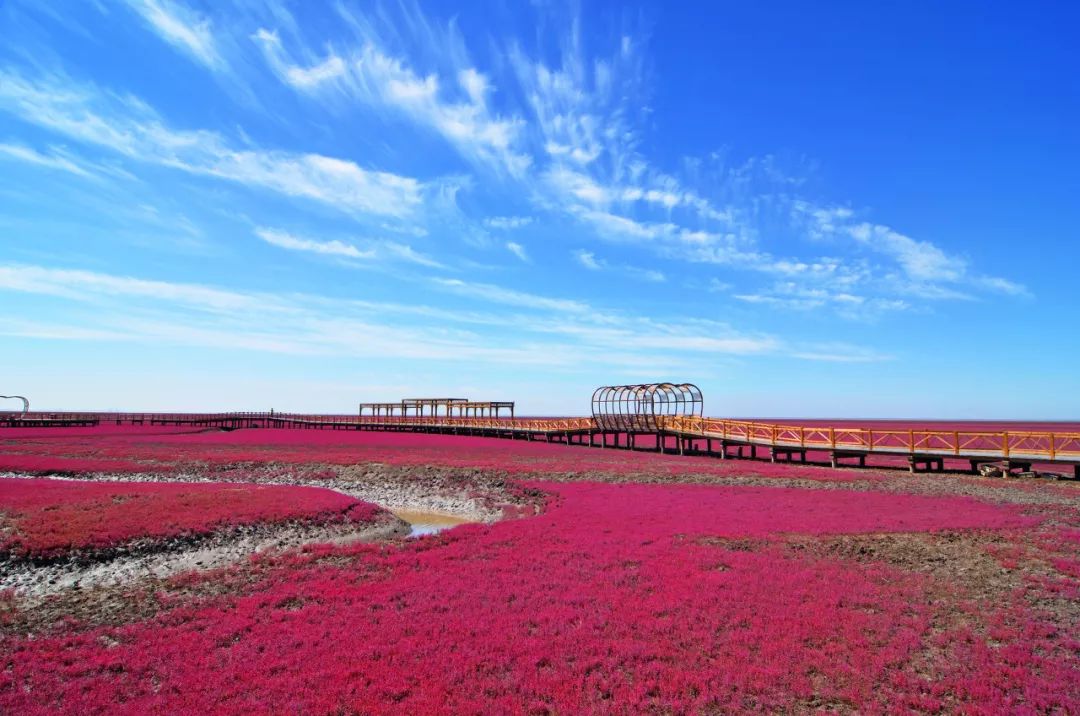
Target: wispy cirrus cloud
[
  {"x": 333, "y": 247},
  {"x": 840, "y": 353},
  {"x": 517, "y": 250},
  {"x": 52, "y": 160},
  {"x": 456, "y": 107},
  {"x": 407, "y": 253},
  {"x": 790, "y": 295},
  {"x": 126, "y": 125},
  {"x": 81, "y": 285},
  {"x": 922, "y": 268},
  {"x": 589, "y": 260},
  {"x": 192, "y": 314},
  {"x": 567, "y": 129},
  {"x": 373, "y": 248},
  {"x": 181, "y": 27},
  {"x": 509, "y": 297},
  {"x": 507, "y": 222}
]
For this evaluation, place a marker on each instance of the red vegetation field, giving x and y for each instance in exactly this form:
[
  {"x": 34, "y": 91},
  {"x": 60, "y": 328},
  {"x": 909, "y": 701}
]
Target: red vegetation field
[
  {"x": 43, "y": 518},
  {"x": 136, "y": 449},
  {"x": 143, "y": 448},
  {"x": 614, "y": 598},
  {"x": 621, "y": 598}
]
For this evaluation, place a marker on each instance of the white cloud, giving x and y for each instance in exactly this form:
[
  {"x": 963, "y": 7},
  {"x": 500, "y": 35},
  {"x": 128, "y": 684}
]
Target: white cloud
[
  {"x": 926, "y": 270},
  {"x": 799, "y": 296},
  {"x": 408, "y": 253},
  {"x": 50, "y": 161},
  {"x": 284, "y": 240},
  {"x": 839, "y": 353},
  {"x": 618, "y": 227},
  {"x": 921, "y": 260},
  {"x": 302, "y": 78},
  {"x": 709, "y": 344},
  {"x": 81, "y": 285},
  {"x": 182, "y": 28},
  {"x": 650, "y": 275},
  {"x": 456, "y": 107},
  {"x": 517, "y": 250},
  {"x": 509, "y": 297},
  {"x": 300, "y": 324},
  {"x": 715, "y": 285},
  {"x": 824, "y": 220},
  {"x": 507, "y": 222},
  {"x": 131, "y": 128},
  {"x": 587, "y": 259},
  {"x": 576, "y": 186},
  {"x": 1003, "y": 285}
]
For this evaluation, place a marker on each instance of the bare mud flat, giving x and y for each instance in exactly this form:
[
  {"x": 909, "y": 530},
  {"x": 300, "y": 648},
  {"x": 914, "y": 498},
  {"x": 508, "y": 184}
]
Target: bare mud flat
[
  {"x": 415, "y": 507},
  {"x": 163, "y": 558}
]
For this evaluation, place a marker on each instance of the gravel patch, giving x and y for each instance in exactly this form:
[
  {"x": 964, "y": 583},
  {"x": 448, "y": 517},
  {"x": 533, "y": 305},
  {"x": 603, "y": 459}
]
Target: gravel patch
[{"x": 159, "y": 558}]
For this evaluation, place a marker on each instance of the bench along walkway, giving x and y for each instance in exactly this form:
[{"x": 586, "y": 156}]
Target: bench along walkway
[{"x": 924, "y": 449}]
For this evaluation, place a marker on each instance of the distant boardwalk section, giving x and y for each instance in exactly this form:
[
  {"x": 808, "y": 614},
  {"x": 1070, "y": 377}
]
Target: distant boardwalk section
[{"x": 663, "y": 417}]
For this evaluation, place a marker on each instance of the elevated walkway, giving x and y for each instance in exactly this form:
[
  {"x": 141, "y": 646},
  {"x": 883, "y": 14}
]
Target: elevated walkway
[{"x": 923, "y": 449}]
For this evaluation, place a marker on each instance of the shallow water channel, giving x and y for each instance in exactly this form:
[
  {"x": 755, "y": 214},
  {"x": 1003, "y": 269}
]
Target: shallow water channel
[{"x": 428, "y": 523}]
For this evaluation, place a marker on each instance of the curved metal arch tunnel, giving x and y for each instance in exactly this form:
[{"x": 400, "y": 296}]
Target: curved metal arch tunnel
[
  {"x": 25, "y": 402},
  {"x": 642, "y": 407}
]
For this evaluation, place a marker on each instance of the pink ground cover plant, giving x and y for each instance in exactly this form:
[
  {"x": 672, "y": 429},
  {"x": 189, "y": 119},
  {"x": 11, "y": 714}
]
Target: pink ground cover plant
[
  {"x": 132, "y": 449},
  {"x": 141, "y": 448},
  {"x": 45, "y": 518},
  {"x": 616, "y": 599}
]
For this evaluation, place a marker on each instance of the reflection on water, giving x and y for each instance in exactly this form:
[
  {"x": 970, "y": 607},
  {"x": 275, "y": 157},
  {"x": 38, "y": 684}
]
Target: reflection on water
[{"x": 428, "y": 523}]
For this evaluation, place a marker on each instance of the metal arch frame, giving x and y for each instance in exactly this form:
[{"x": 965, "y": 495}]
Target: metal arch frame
[
  {"x": 645, "y": 406},
  {"x": 25, "y": 402}
]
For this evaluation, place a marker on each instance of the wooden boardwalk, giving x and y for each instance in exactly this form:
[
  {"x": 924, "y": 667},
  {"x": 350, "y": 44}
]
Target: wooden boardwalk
[{"x": 923, "y": 449}]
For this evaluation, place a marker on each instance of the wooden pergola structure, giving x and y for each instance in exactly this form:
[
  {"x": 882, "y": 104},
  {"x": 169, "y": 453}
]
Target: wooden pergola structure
[
  {"x": 430, "y": 406},
  {"x": 486, "y": 409},
  {"x": 436, "y": 407},
  {"x": 382, "y": 410}
]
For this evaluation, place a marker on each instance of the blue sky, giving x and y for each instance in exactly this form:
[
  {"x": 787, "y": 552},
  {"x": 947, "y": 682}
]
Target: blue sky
[{"x": 837, "y": 209}]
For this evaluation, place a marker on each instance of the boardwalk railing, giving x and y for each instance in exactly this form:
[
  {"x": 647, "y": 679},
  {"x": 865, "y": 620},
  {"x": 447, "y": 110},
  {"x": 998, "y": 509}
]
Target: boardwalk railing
[
  {"x": 1015, "y": 445},
  {"x": 539, "y": 425},
  {"x": 956, "y": 443}
]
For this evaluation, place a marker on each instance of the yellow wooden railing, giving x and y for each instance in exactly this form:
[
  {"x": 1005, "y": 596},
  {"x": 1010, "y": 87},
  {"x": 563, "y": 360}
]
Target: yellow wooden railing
[
  {"x": 1028, "y": 444},
  {"x": 1045, "y": 445}
]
